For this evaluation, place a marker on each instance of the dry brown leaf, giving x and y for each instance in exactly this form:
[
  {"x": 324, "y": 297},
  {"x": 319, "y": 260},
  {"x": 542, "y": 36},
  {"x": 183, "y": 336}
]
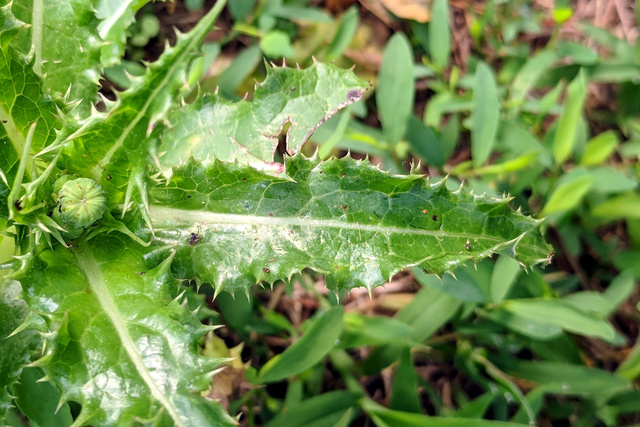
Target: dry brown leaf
[{"x": 418, "y": 10}]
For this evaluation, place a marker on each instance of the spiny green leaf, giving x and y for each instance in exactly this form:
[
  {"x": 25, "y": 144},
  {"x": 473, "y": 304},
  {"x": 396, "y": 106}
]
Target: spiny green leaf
[
  {"x": 120, "y": 335},
  {"x": 66, "y": 49},
  {"x": 112, "y": 147},
  {"x": 234, "y": 226},
  {"x": 213, "y": 128},
  {"x": 22, "y": 103},
  {"x": 14, "y": 347}
]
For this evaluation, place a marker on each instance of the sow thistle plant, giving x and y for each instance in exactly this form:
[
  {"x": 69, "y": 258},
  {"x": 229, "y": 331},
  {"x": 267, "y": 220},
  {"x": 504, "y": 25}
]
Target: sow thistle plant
[{"x": 106, "y": 211}]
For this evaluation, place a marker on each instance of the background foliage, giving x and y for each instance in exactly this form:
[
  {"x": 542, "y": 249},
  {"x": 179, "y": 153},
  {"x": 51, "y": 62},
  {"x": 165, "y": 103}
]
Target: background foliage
[{"x": 537, "y": 100}]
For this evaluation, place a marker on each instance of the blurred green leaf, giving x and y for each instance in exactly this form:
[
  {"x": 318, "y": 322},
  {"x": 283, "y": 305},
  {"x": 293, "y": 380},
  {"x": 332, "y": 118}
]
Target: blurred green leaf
[
  {"x": 44, "y": 410},
  {"x": 121, "y": 73},
  {"x": 276, "y": 44},
  {"x": 319, "y": 411},
  {"x": 421, "y": 33},
  {"x": 344, "y": 34},
  {"x": 614, "y": 73},
  {"x": 515, "y": 139},
  {"x": 477, "y": 407},
  {"x": 630, "y": 150},
  {"x": 630, "y": 367},
  {"x": 563, "y": 142},
  {"x": 569, "y": 379},
  {"x": 485, "y": 115},
  {"x": 241, "y": 67},
  {"x": 577, "y": 53},
  {"x": 237, "y": 312},
  {"x": 13, "y": 419},
  {"x": 424, "y": 142},
  {"x": 394, "y": 94},
  {"x": 536, "y": 399},
  {"x": 633, "y": 228},
  {"x": 450, "y": 135},
  {"x": 504, "y": 275},
  {"x": 608, "y": 180},
  {"x": 621, "y": 207},
  {"x": 429, "y": 310},
  {"x": 628, "y": 260},
  {"x": 241, "y": 8},
  {"x": 462, "y": 287},
  {"x": 301, "y": 14},
  {"x": 626, "y": 402},
  {"x": 439, "y": 34},
  {"x": 384, "y": 417},
  {"x": 599, "y": 148},
  {"x": 362, "y": 330},
  {"x": 317, "y": 341},
  {"x": 562, "y": 314},
  {"x": 404, "y": 391},
  {"x": 328, "y": 146},
  {"x": 567, "y": 195},
  {"x": 521, "y": 162},
  {"x": 523, "y": 325},
  {"x": 562, "y": 348},
  {"x": 620, "y": 289},
  {"x": 529, "y": 74},
  {"x": 591, "y": 302},
  {"x": 442, "y": 103},
  {"x": 201, "y": 65},
  {"x": 548, "y": 103}
]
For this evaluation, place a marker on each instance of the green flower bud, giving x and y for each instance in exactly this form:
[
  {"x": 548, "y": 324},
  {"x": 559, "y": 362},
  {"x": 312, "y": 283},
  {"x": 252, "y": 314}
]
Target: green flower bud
[{"x": 81, "y": 202}]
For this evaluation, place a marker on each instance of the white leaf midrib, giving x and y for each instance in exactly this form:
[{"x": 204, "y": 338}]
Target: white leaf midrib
[
  {"x": 162, "y": 213},
  {"x": 91, "y": 269}
]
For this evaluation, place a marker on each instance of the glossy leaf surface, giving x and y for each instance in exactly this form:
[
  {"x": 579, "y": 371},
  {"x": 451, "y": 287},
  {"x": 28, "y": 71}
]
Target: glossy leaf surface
[
  {"x": 120, "y": 335},
  {"x": 16, "y": 345},
  {"x": 22, "y": 102},
  {"x": 66, "y": 49},
  {"x": 247, "y": 131},
  {"x": 233, "y": 226},
  {"x": 112, "y": 147}
]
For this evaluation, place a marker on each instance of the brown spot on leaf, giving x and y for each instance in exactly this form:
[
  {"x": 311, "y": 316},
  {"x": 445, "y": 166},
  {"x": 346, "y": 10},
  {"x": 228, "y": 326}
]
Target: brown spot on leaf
[{"x": 353, "y": 95}]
